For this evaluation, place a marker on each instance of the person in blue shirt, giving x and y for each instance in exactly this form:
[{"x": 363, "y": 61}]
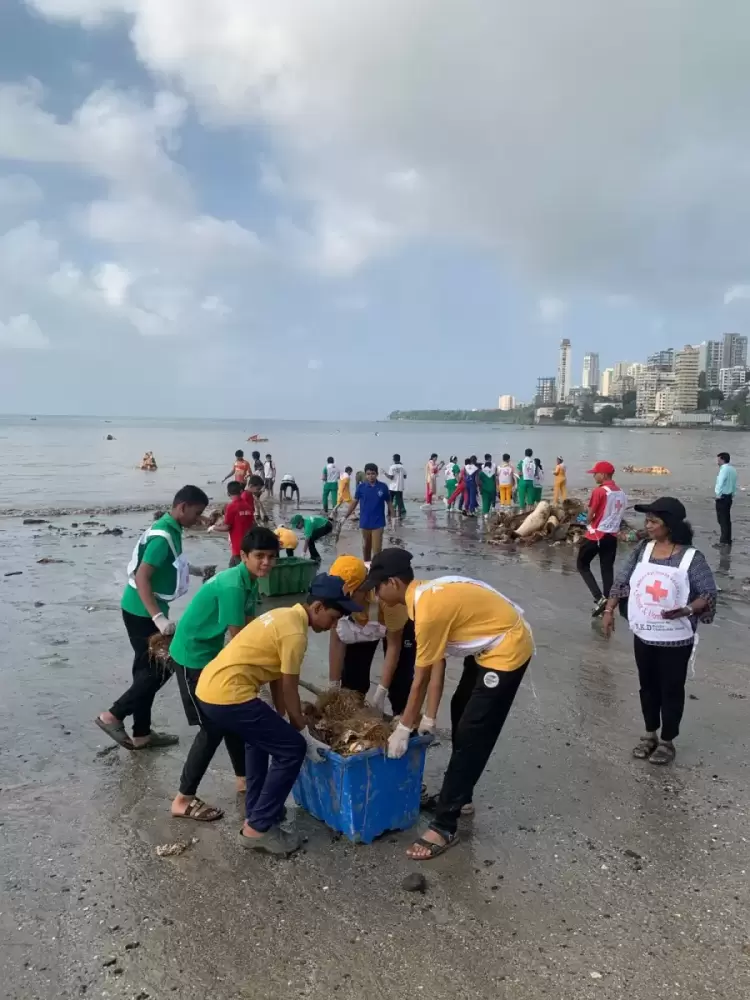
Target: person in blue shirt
[
  {"x": 373, "y": 499},
  {"x": 726, "y": 487}
]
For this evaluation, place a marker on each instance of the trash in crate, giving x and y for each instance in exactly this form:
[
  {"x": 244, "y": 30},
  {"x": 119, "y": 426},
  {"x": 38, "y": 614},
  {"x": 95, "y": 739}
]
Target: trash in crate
[{"x": 343, "y": 721}]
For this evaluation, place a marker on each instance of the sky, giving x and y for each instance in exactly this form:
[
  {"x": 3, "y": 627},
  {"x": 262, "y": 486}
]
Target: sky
[{"x": 278, "y": 208}]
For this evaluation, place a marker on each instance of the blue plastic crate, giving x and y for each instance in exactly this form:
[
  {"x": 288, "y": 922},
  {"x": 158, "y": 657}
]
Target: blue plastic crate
[{"x": 364, "y": 795}]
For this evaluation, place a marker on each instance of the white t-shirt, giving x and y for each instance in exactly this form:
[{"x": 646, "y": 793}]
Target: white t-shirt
[
  {"x": 538, "y": 476},
  {"x": 505, "y": 475},
  {"x": 287, "y": 478},
  {"x": 332, "y": 473},
  {"x": 528, "y": 468},
  {"x": 268, "y": 470},
  {"x": 397, "y": 475}
]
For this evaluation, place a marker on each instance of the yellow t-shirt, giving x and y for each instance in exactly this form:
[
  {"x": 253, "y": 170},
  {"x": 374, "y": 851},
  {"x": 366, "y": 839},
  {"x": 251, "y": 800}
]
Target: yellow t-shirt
[
  {"x": 268, "y": 647},
  {"x": 287, "y": 538},
  {"x": 465, "y": 612}
]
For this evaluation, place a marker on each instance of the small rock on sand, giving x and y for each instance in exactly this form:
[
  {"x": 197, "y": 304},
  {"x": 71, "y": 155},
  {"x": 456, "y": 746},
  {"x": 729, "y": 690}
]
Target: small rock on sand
[{"x": 416, "y": 882}]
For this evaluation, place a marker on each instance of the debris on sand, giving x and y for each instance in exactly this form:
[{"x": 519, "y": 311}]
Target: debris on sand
[
  {"x": 348, "y": 725},
  {"x": 416, "y": 882},
  {"x": 48, "y": 561},
  {"x": 174, "y": 850},
  {"x": 556, "y": 524}
]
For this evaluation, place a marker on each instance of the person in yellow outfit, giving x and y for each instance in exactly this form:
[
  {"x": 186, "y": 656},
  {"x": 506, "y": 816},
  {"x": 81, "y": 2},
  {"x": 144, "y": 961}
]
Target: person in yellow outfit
[
  {"x": 344, "y": 494},
  {"x": 455, "y": 616},
  {"x": 560, "y": 490},
  {"x": 354, "y": 642},
  {"x": 287, "y": 539}
]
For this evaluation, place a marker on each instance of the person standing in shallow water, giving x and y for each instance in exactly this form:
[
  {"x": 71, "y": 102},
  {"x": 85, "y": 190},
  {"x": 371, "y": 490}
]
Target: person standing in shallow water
[{"x": 670, "y": 588}]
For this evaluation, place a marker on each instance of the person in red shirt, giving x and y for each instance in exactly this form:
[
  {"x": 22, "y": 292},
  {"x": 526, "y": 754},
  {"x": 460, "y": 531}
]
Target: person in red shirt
[
  {"x": 240, "y": 470},
  {"x": 239, "y": 516},
  {"x": 606, "y": 509}
]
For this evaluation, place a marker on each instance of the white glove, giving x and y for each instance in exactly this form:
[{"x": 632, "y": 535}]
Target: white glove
[
  {"x": 378, "y": 699},
  {"x": 334, "y": 685},
  {"x": 315, "y": 748},
  {"x": 426, "y": 726},
  {"x": 399, "y": 741},
  {"x": 211, "y": 527},
  {"x": 165, "y": 626}
]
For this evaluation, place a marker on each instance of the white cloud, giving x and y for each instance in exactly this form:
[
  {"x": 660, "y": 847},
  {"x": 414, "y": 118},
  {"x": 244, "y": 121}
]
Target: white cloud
[
  {"x": 314, "y": 365},
  {"x": 515, "y": 127},
  {"x": 22, "y": 333},
  {"x": 551, "y": 309},
  {"x": 113, "y": 281},
  {"x": 216, "y": 306},
  {"x": 736, "y": 293}
]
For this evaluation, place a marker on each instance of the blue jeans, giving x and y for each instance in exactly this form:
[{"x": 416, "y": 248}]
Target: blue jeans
[{"x": 274, "y": 752}]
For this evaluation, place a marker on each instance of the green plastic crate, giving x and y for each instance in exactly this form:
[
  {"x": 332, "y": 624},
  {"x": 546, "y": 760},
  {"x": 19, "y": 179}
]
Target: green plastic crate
[{"x": 289, "y": 576}]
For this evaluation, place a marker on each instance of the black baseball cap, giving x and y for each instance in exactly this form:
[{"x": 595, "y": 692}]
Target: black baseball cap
[
  {"x": 331, "y": 590},
  {"x": 388, "y": 563},
  {"x": 667, "y": 506}
]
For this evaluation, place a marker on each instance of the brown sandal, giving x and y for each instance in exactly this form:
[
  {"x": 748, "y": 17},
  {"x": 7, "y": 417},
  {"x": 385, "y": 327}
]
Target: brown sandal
[
  {"x": 645, "y": 748},
  {"x": 200, "y": 812},
  {"x": 664, "y": 754}
]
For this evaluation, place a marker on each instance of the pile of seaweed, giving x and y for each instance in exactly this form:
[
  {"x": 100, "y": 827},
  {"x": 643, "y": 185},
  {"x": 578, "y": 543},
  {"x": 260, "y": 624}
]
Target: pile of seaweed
[
  {"x": 557, "y": 524},
  {"x": 348, "y": 725},
  {"x": 158, "y": 648}
]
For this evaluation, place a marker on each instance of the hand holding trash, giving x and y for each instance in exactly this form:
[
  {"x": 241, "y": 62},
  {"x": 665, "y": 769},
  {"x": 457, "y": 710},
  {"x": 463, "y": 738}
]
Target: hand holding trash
[
  {"x": 398, "y": 742},
  {"x": 378, "y": 699},
  {"x": 315, "y": 748},
  {"x": 165, "y": 626}
]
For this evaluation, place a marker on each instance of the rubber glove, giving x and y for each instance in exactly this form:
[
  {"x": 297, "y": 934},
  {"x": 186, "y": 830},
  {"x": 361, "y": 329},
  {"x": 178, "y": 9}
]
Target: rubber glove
[
  {"x": 165, "y": 626},
  {"x": 399, "y": 741},
  {"x": 378, "y": 699},
  {"x": 211, "y": 527},
  {"x": 426, "y": 726},
  {"x": 315, "y": 748}
]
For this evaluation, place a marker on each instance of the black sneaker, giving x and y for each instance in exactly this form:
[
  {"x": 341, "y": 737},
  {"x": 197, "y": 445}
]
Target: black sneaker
[{"x": 599, "y": 607}]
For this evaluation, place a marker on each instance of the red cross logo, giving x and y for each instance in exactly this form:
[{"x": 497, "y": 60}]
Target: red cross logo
[
  {"x": 618, "y": 505},
  {"x": 657, "y": 591}
]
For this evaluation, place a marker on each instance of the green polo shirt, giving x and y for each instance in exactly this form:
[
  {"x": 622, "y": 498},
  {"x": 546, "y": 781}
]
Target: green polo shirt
[
  {"x": 312, "y": 524},
  {"x": 228, "y": 599},
  {"x": 157, "y": 553}
]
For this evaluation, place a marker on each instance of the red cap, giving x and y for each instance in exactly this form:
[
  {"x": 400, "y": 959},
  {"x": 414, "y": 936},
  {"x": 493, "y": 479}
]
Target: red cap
[{"x": 605, "y": 468}]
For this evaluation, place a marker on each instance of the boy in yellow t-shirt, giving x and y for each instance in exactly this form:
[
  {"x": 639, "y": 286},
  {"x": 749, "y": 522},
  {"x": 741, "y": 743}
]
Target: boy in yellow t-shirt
[
  {"x": 461, "y": 617},
  {"x": 270, "y": 651}
]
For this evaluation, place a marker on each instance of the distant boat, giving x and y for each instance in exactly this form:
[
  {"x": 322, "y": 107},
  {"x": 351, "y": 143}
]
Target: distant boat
[{"x": 255, "y": 438}]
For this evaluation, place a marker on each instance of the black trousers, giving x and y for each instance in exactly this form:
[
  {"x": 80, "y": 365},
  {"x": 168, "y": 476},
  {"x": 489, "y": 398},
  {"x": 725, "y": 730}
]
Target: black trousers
[
  {"x": 358, "y": 659},
  {"x": 316, "y": 536},
  {"x": 724, "y": 517},
  {"x": 148, "y": 676},
  {"x": 479, "y": 709},
  {"x": 288, "y": 487},
  {"x": 397, "y": 499},
  {"x": 209, "y": 737},
  {"x": 662, "y": 671},
  {"x": 588, "y": 550}
]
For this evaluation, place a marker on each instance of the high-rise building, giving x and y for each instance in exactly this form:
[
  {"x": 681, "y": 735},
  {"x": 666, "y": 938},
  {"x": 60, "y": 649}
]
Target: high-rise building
[
  {"x": 622, "y": 380},
  {"x": 735, "y": 351},
  {"x": 733, "y": 379},
  {"x": 590, "y": 372},
  {"x": 687, "y": 371},
  {"x": 564, "y": 363},
  {"x": 605, "y": 387},
  {"x": 650, "y": 383},
  {"x": 546, "y": 394},
  {"x": 711, "y": 361},
  {"x": 506, "y": 403},
  {"x": 662, "y": 361}
]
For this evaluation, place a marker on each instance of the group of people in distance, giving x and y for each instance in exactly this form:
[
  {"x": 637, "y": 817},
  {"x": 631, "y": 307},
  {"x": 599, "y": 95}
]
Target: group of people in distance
[{"x": 479, "y": 487}]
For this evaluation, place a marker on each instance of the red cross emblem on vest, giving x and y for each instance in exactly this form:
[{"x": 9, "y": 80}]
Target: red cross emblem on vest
[{"x": 657, "y": 591}]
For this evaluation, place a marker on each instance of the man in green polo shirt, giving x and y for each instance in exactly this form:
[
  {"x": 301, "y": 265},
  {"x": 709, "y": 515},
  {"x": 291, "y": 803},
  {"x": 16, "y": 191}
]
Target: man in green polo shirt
[
  {"x": 158, "y": 573},
  {"x": 223, "y": 605}
]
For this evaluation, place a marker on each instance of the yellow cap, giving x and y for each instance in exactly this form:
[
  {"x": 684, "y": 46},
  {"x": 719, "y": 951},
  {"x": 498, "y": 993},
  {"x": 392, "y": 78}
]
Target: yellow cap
[{"x": 351, "y": 570}]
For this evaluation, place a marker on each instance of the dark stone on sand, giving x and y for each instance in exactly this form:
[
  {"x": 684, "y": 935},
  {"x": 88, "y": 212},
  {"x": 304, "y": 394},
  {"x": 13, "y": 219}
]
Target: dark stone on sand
[
  {"x": 109, "y": 438},
  {"x": 38, "y": 604},
  {"x": 109, "y": 962},
  {"x": 632, "y": 854},
  {"x": 111, "y": 531},
  {"x": 74, "y": 524},
  {"x": 416, "y": 882},
  {"x": 15, "y": 572},
  {"x": 34, "y": 520},
  {"x": 48, "y": 561}
]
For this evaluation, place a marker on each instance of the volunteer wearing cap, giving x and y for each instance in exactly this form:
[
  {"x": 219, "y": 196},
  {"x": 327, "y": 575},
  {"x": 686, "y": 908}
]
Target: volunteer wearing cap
[
  {"x": 270, "y": 651},
  {"x": 606, "y": 510},
  {"x": 355, "y": 640},
  {"x": 670, "y": 588},
  {"x": 455, "y": 616}
]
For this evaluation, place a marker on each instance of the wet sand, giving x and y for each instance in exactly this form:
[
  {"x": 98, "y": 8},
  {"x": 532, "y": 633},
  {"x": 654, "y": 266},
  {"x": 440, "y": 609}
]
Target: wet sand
[{"x": 584, "y": 874}]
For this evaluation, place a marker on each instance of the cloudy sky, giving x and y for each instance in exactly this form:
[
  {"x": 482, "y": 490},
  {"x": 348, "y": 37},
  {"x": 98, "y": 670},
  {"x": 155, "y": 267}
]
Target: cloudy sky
[{"x": 288, "y": 208}]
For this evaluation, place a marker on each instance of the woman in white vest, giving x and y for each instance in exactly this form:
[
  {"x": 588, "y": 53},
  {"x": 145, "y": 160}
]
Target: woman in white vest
[{"x": 670, "y": 588}]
